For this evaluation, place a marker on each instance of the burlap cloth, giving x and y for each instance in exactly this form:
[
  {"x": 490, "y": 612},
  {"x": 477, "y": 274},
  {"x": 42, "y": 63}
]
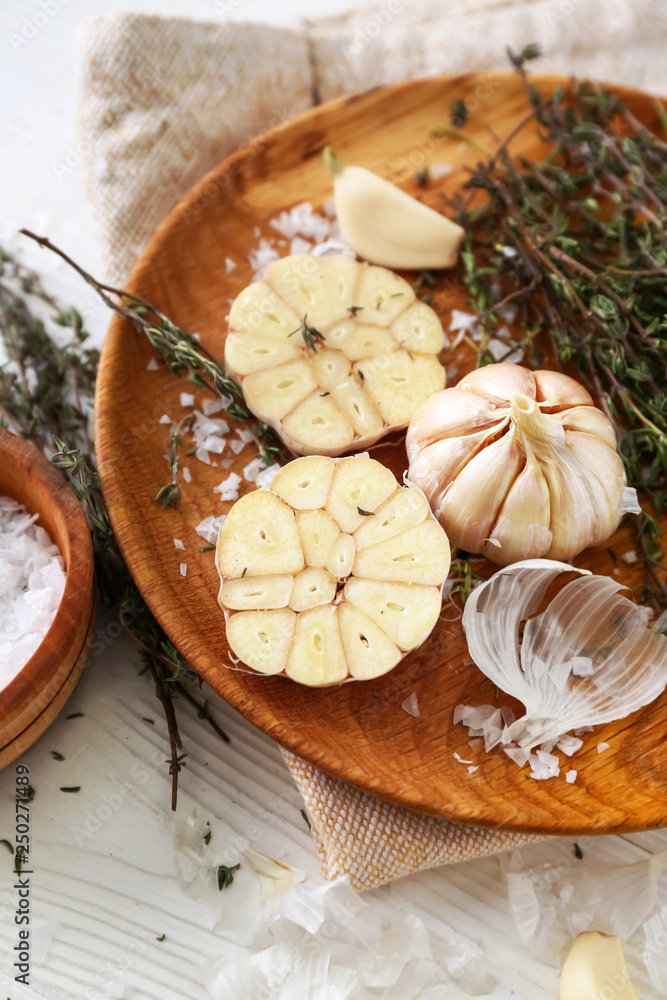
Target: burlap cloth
[{"x": 163, "y": 100}]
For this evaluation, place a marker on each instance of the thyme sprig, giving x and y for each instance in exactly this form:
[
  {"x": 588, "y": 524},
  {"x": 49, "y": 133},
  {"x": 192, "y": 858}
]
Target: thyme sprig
[
  {"x": 577, "y": 242},
  {"x": 312, "y": 338},
  {"x": 46, "y": 395}
]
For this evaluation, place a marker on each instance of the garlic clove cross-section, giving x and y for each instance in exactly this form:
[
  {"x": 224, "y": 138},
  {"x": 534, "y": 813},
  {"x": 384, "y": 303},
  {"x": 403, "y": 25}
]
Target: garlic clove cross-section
[
  {"x": 333, "y": 353},
  {"x": 333, "y": 573},
  {"x": 595, "y": 967},
  {"x": 386, "y": 225},
  {"x": 518, "y": 464}
]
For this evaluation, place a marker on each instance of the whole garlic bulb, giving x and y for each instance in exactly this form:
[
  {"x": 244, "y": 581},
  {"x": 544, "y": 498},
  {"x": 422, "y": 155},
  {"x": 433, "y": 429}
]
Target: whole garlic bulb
[{"x": 518, "y": 464}]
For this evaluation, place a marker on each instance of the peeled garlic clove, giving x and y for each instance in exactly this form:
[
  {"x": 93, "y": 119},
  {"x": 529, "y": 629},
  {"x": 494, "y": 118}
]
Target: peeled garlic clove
[
  {"x": 384, "y": 225},
  {"x": 537, "y": 417},
  {"x": 333, "y": 353},
  {"x": 331, "y": 573},
  {"x": 587, "y": 624},
  {"x": 595, "y": 967}
]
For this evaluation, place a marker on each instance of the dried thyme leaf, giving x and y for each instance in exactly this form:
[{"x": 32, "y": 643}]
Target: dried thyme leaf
[{"x": 225, "y": 876}]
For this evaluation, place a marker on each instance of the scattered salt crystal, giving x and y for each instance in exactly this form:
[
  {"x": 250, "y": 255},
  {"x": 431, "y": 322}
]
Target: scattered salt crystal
[
  {"x": 262, "y": 258},
  {"x": 209, "y": 528},
  {"x": 229, "y": 487},
  {"x": 214, "y": 443},
  {"x": 571, "y": 776},
  {"x": 629, "y": 557},
  {"x": 236, "y": 445},
  {"x": 227, "y": 463},
  {"x": 253, "y": 469},
  {"x": 265, "y": 478},
  {"x": 229, "y": 264},
  {"x": 179, "y": 544},
  {"x": 299, "y": 245},
  {"x": 244, "y": 435},
  {"x": 508, "y": 353},
  {"x": 509, "y": 251},
  {"x": 164, "y": 419},
  {"x": 335, "y": 247},
  {"x": 461, "y": 760},
  {"x": 582, "y": 666},
  {"x": 187, "y": 399},
  {"x": 559, "y": 674},
  {"x": 569, "y": 745},
  {"x": 518, "y": 755},
  {"x": 473, "y": 768},
  {"x": 410, "y": 705},
  {"x": 330, "y": 207},
  {"x": 462, "y": 320},
  {"x": 548, "y": 745},
  {"x": 203, "y": 455},
  {"x": 257, "y": 231},
  {"x": 508, "y": 312},
  {"x": 211, "y": 406},
  {"x": 184, "y": 569},
  {"x": 152, "y": 365},
  {"x": 629, "y": 502},
  {"x": 543, "y": 765},
  {"x": 439, "y": 170},
  {"x": 583, "y": 729},
  {"x": 32, "y": 581},
  {"x": 187, "y": 475},
  {"x": 602, "y": 747}
]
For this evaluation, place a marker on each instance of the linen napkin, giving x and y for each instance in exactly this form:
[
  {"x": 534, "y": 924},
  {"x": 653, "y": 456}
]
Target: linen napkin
[{"x": 163, "y": 100}]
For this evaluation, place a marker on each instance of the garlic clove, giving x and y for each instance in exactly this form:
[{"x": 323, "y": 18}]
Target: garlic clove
[
  {"x": 595, "y": 967},
  {"x": 451, "y": 413},
  {"x": 385, "y": 225},
  {"x": 439, "y": 463},
  {"x": 558, "y": 391},
  {"x": 590, "y": 420},
  {"x": 471, "y": 504},
  {"x": 523, "y": 532},
  {"x": 498, "y": 383}
]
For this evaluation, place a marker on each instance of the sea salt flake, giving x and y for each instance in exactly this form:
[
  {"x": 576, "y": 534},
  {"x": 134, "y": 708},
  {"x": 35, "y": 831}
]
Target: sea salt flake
[
  {"x": 410, "y": 705},
  {"x": 571, "y": 776},
  {"x": 266, "y": 476},
  {"x": 164, "y": 419},
  {"x": 473, "y": 768},
  {"x": 229, "y": 264},
  {"x": 602, "y": 747},
  {"x": 462, "y": 320},
  {"x": 152, "y": 365},
  {"x": 229, "y": 487},
  {"x": 582, "y": 666},
  {"x": 187, "y": 475},
  {"x": 203, "y": 455},
  {"x": 184, "y": 569},
  {"x": 187, "y": 399},
  {"x": 299, "y": 245},
  {"x": 253, "y": 469},
  {"x": 569, "y": 745},
  {"x": 629, "y": 557},
  {"x": 179, "y": 544},
  {"x": 209, "y": 528},
  {"x": 439, "y": 170},
  {"x": 211, "y": 406}
]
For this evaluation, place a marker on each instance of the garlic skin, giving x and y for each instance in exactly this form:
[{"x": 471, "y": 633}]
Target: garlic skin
[
  {"x": 588, "y": 658},
  {"x": 595, "y": 967},
  {"x": 518, "y": 464},
  {"x": 385, "y": 225}
]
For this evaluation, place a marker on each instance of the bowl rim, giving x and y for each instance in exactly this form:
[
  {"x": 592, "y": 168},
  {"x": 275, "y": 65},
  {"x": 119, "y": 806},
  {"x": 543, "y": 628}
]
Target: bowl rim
[{"x": 78, "y": 592}]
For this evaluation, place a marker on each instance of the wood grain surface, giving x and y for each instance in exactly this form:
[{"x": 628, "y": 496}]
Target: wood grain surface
[
  {"x": 32, "y": 700},
  {"x": 358, "y": 732}
]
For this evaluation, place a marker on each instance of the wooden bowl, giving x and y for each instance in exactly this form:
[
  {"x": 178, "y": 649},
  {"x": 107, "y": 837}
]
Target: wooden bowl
[{"x": 32, "y": 700}]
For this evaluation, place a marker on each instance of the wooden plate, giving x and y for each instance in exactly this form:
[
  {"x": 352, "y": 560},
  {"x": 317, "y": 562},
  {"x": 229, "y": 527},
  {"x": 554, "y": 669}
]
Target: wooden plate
[{"x": 359, "y": 731}]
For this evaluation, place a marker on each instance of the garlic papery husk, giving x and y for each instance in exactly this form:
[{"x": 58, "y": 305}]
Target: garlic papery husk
[
  {"x": 387, "y": 226},
  {"x": 553, "y": 903},
  {"x": 518, "y": 464},
  {"x": 588, "y": 658},
  {"x": 595, "y": 967}
]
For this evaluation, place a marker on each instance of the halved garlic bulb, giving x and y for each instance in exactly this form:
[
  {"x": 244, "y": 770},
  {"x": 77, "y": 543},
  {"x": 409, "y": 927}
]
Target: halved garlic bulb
[
  {"x": 332, "y": 573},
  {"x": 588, "y": 658},
  {"x": 518, "y": 464},
  {"x": 333, "y": 353}
]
